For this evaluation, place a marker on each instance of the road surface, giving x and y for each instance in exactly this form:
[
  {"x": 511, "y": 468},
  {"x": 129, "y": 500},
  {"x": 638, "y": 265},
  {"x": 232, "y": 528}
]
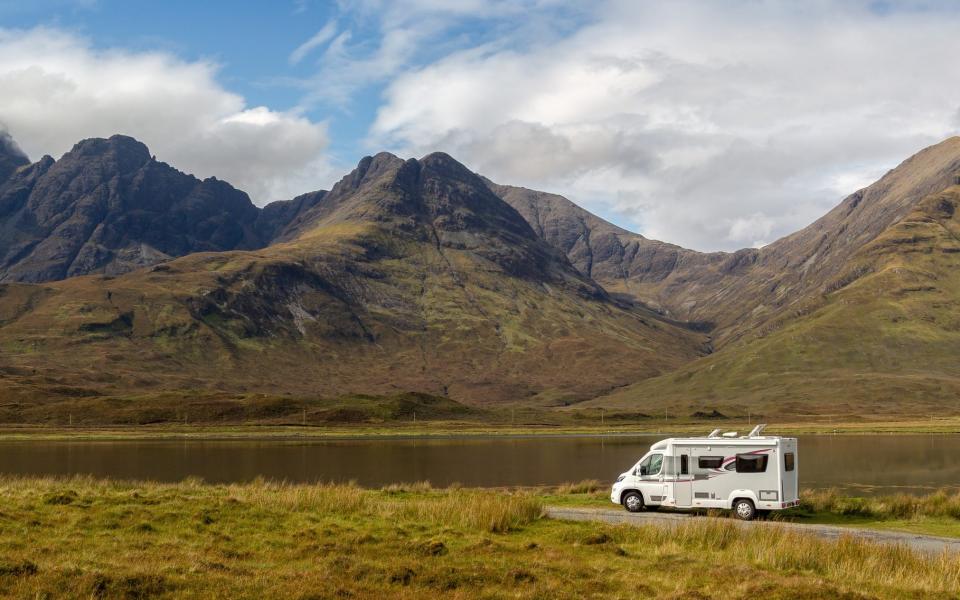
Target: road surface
[{"x": 923, "y": 543}]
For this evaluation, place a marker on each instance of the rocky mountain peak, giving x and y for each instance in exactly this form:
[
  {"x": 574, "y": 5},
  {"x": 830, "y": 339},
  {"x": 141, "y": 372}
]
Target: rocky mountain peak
[
  {"x": 126, "y": 152},
  {"x": 108, "y": 207},
  {"x": 11, "y": 156},
  {"x": 369, "y": 169},
  {"x": 435, "y": 191}
]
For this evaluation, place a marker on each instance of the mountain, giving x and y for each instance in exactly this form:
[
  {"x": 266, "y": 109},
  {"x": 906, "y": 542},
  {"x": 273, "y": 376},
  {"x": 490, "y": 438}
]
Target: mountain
[
  {"x": 275, "y": 218},
  {"x": 625, "y": 263},
  {"x": 154, "y": 291},
  {"x": 886, "y": 341},
  {"x": 108, "y": 207},
  {"x": 736, "y": 294},
  {"x": 408, "y": 275},
  {"x": 11, "y": 157}
]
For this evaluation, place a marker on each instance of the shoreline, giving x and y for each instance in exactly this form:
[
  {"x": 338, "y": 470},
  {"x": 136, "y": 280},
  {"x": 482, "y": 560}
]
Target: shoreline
[{"x": 448, "y": 430}]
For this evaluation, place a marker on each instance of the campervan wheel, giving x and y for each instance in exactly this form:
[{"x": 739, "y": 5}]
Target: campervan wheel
[
  {"x": 633, "y": 501},
  {"x": 744, "y": 509}
]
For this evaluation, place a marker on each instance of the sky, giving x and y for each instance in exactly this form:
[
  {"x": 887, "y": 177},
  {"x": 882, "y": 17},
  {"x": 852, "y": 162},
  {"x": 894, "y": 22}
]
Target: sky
[{"x": 713, "y": 125}]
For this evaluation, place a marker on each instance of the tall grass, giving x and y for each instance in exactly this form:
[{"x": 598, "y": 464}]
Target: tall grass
[
  {"x": 587, "y": 486},
  {"x": 454, "y": 507},
  {"x": 471, "y": 509},
  {"x": 896, "y": 506},
  {"x": 324, "y": 498},
  {"x": 850, "y": 558},
  {"x": 496, "y": 513}
]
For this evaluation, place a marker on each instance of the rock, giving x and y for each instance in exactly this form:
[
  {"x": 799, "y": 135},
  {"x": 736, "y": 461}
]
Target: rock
[
  {"x": 108, "y": 206},
  {"x": 11, "y": 156}
]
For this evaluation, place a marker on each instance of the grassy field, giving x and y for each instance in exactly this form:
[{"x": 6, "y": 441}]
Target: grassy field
[{"x": 102, "y": 539}]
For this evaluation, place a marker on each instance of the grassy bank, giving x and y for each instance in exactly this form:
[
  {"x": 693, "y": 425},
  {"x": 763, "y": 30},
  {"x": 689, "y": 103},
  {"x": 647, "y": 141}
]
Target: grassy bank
[
  {"x": 91, "y": 538},
  {"x": 223, "y": 415},
  {"x": 459, "y": 428},
  {"x": 932, "y": 514}
]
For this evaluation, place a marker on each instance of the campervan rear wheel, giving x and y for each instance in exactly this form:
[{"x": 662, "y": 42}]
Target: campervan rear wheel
[
  {"x": 744, "y": 509},
  {"x": 633, "y": 501}
]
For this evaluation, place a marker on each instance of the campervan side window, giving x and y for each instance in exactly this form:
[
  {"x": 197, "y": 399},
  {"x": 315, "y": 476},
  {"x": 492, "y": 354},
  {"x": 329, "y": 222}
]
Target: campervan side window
[
  {"x": 788, "y": 461},
  {"x": 709, "y": 462},
  {"x": 684, "y": 464},
  {"x": 752, "y": 463}
]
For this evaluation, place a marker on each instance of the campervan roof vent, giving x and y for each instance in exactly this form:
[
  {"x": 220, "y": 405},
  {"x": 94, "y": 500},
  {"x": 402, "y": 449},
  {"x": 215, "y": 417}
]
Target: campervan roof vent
[
  {"x": 715, "y": 433},
  {"x": 730, "y": 434},
  {"x": 757, "y": 430}
]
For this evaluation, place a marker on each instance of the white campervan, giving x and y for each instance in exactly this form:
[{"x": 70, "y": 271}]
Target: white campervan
[{"x": 743, "y": 473}]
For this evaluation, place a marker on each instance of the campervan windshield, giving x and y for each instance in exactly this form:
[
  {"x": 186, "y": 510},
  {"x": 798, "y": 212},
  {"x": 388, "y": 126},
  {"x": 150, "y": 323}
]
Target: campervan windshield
[{"x": 651, "y": 465}]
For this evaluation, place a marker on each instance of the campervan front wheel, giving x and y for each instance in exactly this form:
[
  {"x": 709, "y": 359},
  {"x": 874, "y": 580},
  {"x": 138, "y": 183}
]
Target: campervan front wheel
[
  {"x": 744, "y": 509},
  {"x": 633, "y": 501}
]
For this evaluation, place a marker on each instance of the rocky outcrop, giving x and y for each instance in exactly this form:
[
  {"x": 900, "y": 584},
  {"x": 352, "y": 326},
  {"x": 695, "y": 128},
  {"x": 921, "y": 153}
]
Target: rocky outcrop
[
  {"x": 108, "y": 206},
  {"x": 277, "y": 217},
  {"x": 11, "y": 157}
]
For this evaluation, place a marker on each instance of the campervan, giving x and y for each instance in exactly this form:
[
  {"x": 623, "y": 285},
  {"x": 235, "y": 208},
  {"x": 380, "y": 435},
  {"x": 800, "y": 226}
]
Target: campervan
[{"x": 747, "y": 474}]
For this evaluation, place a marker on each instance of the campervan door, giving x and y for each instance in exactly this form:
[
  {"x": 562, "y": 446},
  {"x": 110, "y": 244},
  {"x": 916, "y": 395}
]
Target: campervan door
[
  {"x": 683, "y": 479},
  {"x": 788, "y": 469}
]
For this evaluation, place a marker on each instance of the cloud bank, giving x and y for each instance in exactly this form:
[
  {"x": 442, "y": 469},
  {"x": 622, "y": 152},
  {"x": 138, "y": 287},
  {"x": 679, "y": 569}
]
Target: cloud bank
[
  {"x": 58, "y": 89},
  {"x": 712, "y": 125}
]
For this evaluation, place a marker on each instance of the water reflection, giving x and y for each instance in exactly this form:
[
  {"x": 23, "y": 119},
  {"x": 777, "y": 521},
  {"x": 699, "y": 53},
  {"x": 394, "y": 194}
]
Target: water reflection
[{"x": 866, "y": 464}]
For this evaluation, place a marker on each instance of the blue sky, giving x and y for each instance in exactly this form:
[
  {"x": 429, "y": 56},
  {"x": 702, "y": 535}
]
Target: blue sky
[
  {"x": 712, "y": 125},
  {"x": 252, "y": 43}
]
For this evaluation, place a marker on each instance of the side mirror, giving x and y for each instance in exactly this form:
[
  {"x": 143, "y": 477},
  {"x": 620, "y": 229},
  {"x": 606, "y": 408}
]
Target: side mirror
[{"x": 643, "y": 471}]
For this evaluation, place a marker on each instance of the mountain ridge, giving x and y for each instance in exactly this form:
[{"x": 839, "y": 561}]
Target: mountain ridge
[
  {"x": 407, "y": 275},
  {"x": 734, "y": 294},
  {"x": 107, "y": 206}
]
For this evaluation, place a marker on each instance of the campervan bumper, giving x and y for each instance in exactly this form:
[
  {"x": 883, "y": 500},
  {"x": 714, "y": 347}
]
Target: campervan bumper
[{"x": 616, "y": 490}]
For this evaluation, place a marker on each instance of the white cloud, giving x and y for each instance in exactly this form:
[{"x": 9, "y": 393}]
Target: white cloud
[
  {"x": 58, "y": 89},
  {"x": 381, "y": 39},
  {"x": 317, "y": 40},
  {"x": 713, "y": 125}
]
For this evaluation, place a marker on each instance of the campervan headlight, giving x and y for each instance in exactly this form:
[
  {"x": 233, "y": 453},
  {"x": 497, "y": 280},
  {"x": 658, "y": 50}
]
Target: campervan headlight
[{"x": 621, "y": 478}]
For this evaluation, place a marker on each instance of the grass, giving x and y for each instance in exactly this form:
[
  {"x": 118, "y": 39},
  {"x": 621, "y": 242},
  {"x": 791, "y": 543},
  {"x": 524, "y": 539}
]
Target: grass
[
  {"x": 897, "y": 506},
  {"x": 932, "y": 514},
  {"x": 90, "y": 538}
]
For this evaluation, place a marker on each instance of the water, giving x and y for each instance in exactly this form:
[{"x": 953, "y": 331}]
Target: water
[{"x": 863, "y": 464}]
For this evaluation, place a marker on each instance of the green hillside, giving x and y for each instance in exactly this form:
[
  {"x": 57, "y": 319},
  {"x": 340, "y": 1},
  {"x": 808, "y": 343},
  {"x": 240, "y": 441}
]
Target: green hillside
[{"x": 885, "y": 340}]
